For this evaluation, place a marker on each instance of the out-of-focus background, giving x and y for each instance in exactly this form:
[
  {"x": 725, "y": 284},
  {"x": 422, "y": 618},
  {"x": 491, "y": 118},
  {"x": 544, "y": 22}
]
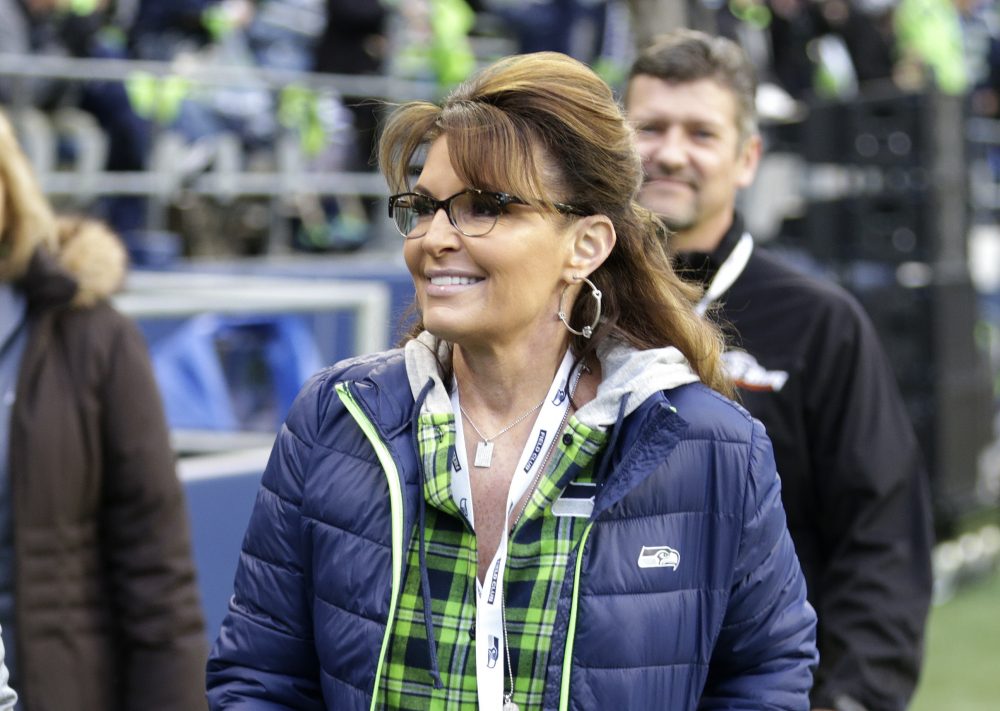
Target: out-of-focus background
[{"x": 229, "y": 143}]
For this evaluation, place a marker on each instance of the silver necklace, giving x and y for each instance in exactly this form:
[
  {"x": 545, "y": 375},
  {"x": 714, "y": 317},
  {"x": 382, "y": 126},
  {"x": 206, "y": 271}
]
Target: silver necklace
[{"x": 484, "y": 449}]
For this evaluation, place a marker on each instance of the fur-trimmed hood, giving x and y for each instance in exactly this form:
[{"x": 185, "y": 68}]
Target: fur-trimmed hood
[
  {"x": 90, "y": 265},
  {"x": 94, "y": 257}
]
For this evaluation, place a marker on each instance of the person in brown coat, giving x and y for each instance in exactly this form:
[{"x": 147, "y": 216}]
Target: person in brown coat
[{"x": 98, "y": 598}]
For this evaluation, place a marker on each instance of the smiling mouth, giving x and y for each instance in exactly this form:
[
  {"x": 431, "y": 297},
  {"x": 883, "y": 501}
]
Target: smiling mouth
[
  {"x": 668, "y": 180},
  {"x": 454, "y": 280}
]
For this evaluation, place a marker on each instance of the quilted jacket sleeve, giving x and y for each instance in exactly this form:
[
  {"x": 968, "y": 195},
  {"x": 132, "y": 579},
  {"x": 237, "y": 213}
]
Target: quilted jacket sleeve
[
  {"x": 766, "y": 650},
  {"x": 265, "y": 655}
]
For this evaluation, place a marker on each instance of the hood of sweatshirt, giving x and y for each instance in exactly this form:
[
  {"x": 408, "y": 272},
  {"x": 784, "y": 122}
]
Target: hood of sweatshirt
[{"x": 625, "y": 370}]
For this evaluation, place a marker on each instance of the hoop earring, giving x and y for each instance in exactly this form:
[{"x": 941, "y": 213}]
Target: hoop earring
[{"x": 587, "y": 331}]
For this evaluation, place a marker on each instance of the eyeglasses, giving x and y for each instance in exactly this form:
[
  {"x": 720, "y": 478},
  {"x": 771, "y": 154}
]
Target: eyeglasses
[{"x": 472, "y": 212}]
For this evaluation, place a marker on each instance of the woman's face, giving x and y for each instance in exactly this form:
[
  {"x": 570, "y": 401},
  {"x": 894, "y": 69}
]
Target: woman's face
[{"x": 487, "y": 291}]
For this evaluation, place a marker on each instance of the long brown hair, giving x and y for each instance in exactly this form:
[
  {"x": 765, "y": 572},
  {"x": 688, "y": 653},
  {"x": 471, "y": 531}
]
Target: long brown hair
[
  {"x": 546, "y": 126},
  {"x": 26, "y": 220}
]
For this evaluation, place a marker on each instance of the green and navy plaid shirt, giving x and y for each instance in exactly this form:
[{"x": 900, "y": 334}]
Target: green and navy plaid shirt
[{"x": 538, "y": 554}]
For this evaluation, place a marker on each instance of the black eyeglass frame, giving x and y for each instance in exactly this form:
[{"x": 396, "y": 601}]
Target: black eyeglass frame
[{"x": 503, "y": 200}]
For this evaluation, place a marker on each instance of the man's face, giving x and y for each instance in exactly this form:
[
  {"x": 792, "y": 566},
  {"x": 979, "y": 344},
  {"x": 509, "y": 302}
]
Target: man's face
[{"x": 691, "y": 151}]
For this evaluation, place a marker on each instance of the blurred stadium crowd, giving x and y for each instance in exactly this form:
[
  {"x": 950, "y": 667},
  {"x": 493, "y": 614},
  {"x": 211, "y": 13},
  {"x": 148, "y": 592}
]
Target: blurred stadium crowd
[{"x": 183, "y": 121}]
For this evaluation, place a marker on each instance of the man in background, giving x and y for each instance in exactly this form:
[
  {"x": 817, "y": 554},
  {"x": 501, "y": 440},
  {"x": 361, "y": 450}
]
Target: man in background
[{"x": 807, "y": 362}]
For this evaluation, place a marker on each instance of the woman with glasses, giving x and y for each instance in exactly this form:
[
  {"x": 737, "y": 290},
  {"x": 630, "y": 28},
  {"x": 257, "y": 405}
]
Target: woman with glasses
[{"x": 543, "y": 498}]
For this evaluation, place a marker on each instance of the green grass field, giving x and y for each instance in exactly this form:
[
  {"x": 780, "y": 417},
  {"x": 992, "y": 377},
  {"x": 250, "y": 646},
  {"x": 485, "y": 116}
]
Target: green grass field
[{"x": 962, "y": 664}]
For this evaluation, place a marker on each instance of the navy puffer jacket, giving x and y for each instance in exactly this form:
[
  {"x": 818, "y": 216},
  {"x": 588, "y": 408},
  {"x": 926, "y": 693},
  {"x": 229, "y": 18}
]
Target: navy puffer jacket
[{"x": 727, "y": 627}]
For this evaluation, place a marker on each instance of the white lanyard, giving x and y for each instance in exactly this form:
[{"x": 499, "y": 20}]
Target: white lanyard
[
  {"x": 490, "y": 642},
  {"x": 728, "y": 273}
]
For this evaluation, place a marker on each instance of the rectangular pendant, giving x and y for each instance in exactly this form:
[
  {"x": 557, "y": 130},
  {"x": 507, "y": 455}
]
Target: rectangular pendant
[{"x": 484, "y": 454}]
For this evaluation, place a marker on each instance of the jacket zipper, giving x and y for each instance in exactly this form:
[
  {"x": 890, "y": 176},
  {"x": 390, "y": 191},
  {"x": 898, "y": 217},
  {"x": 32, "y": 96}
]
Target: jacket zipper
[
  {"x": 567, "y": 664},
  {"x": 396, "y": 514}
]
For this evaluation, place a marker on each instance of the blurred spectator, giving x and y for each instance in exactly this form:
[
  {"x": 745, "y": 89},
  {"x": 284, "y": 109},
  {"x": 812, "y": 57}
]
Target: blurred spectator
[
  {"x": 283, "y": 33},
  {"x": 101, "y": 29},
  {"x": 573, "y": 27},
  {"x": 354, "y": 41},
  {"x": 793, "y": 26},
  {"x": 429, "y": 40},
  {"x": 980, "y": 22},
  {"x": 209, "y": 33},
  {"x": 653, "y": 17},
  {"x": 98, "y": 600},
  {"x": 52, "y": 28},
  {"x": 865, "y": 32},
  {"x": 838, "y": 48},
  {"x": 829, "y": 48},
  {"x": 929, "y": 46},
  {"x": 162, "y": 29}
]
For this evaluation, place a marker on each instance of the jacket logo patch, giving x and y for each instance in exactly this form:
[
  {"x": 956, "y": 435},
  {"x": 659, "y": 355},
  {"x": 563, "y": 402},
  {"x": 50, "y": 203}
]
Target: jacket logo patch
[
  {"x": 748, "y": 374},
  {"x": 659, "y": 557}
]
